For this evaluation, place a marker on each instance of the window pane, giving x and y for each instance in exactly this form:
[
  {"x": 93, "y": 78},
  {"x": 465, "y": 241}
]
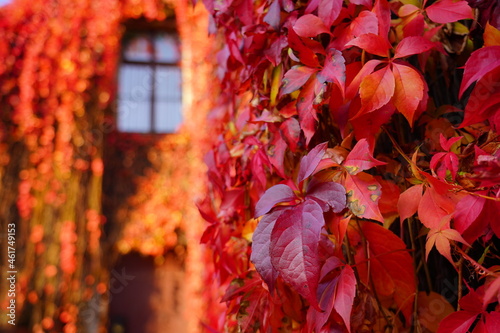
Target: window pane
[
  {"x": 134, "y": 98},
  {"x": 168, "y": 99},
  {"x": 138, "y": 47},
  {"x": 167, "y": 48},
  {"x": 168, "y": 116}
]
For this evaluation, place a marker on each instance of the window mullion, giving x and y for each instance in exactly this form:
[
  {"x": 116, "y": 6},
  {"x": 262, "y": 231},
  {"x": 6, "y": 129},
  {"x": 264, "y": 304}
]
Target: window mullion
[{"x": 153, "y": 84}]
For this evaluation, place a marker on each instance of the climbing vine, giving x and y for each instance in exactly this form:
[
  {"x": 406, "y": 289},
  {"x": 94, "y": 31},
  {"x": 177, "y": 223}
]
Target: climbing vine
[{"x": 353, "y": 180}]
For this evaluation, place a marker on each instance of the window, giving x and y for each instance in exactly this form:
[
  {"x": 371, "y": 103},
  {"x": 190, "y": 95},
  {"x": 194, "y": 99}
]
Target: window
[{"x": 149, "y": 80}]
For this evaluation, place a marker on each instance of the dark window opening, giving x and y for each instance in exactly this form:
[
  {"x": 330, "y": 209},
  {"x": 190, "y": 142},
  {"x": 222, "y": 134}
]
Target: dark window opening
[{"x": 149, "y": 79}]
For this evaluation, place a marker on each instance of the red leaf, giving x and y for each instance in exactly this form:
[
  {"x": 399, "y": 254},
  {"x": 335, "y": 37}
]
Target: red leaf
[
  {"x": 367, "y": 3},
  {"x": 492, "y": 291},
  {"x": 277, "y": 194},
  {"x": 365, "y": 23},
  {"x": 479, "y": 63},
  {"x": 368, "y": 125},
  {"x": 408, "y": 90},
  {"x": 390, "y": 266},
  {"x": 372, "y": 43},
  {"x": 294, "y": 248},
  {"x": 345, "y": 292},
  {"x": 335, "y": 291},
  {"x": 305, "y": 54},
  {"x": 363, "y": 194},
  {"x": 290, "y": 130},
  {"x": 447, "y": 143},
  {"x": 334, "y": 70},
  {"x": 305, "y": 107},
  {"x": 310, "y": 25},
  {"x": 261, "y": 242},
  {"x": 457, "y": 322},
  {"x": 409, "y": 201},
  {"x": 328, "y": 195},
  {"x": 412, "y": 45},
  {"x": 382, "y": 11},
  {"x": 484, "y": 100},
  {"x": 360, "y": 158},
  {"x": 295, "y": 78},
  {"x": 309, "y": 162},
  {"x": 434, "y": 208},
  {"x": 377, "y": 89},
  {"x": 329, "y": 10},
  {"x": 492, "y": 321},
  {"x": 447, "y": 11}
]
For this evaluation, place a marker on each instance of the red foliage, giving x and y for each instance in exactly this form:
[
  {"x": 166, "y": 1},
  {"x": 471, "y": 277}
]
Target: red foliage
[{"x": 335, "y": 118}]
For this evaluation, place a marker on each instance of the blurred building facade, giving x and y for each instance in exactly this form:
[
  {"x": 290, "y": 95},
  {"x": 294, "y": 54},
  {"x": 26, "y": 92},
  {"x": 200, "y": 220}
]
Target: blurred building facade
[{"x": 101, "y": 144}]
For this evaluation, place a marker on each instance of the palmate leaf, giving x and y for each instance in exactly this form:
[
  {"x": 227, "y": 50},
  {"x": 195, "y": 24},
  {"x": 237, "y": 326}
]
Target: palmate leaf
[
  {"x": 336, "y": 292},
  {"x": 372, "y": 43},
  {"x": 294, "y": 248},
  {"x": 441, "y": 239}
]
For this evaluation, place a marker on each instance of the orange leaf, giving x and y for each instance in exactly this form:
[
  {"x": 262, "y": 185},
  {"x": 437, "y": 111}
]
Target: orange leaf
[
  {"x": 491, "y": 35},
  {"x": 432, "y": 309},
  {"x": 376, "y": 89},
  {"x": 408, "y": 91}
]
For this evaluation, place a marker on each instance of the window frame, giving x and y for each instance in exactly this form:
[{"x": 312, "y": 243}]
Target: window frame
[{"x": 151, "y": 29}]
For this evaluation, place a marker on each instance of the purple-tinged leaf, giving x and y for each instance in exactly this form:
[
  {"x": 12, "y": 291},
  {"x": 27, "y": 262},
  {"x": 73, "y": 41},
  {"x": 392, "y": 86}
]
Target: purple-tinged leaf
[
  {"x": 329, "y": 10},
  {"x": 335, "y": 291},
  {"x": 261, "y": 241},
  {"x": 309, "y": 162},
  {"x": 273, "y": 15},
  {"x": 295, "y": 78},
  {"x": 294, "y": 248},
  {"x": 334, "y": 70},
  {"x": 274, "y": 195},
  {"x": 328, "y": 195}
]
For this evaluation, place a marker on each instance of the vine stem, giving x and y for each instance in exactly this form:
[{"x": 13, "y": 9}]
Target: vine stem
[{"x": 480, "y": 269}]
